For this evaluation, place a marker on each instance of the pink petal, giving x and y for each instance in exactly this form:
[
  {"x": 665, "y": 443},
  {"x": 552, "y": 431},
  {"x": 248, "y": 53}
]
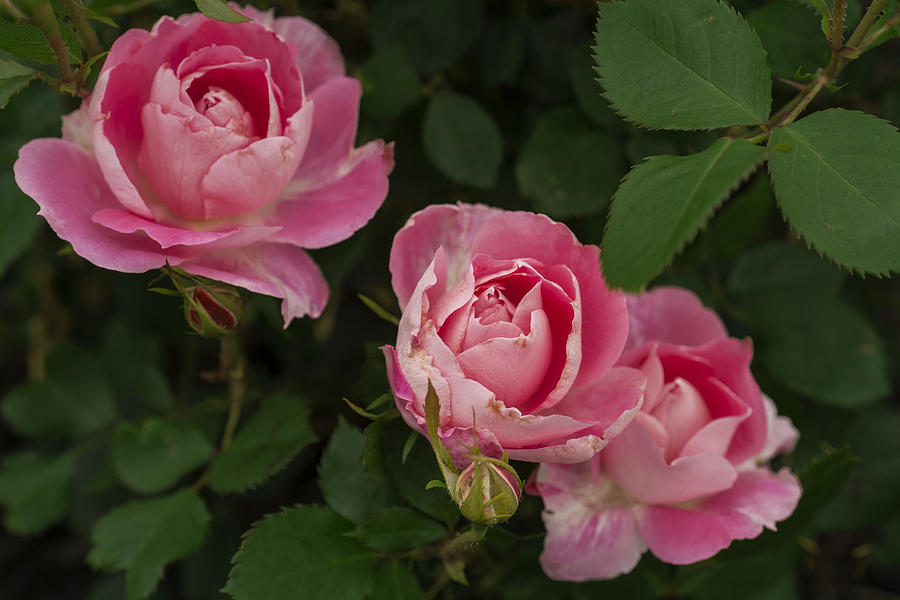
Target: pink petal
[
  {"x": 603, "y": 312},
  {"x": 782, "y": 435},
  {"x": 249, "y": 178},
  {"x": 635, "y": 462},
  {"x": 450, "y": 226},
  {"x": 318, "y": 55},
  {"x": 68, "y": 186},
  {"x": 589, "y": 534},
  {"x": 511, "y": 367},
  {"x": 671, "y": 315},
  {"x": 609, "y": 402},
  {"x": 731, "y": 360},
  {"x": 682, "y": 413},
  {"x": 276, "y": 270},
  {"x": 330, "y": 214},
  {"x": 78, "y": 128},
  {"x": 116, "y": 111},
  {"x": 332, "y": 134},
  {"x": 167, "y": 236},
  {"x": 757, "y": 499},
  {"x": 177, "y": 170}
]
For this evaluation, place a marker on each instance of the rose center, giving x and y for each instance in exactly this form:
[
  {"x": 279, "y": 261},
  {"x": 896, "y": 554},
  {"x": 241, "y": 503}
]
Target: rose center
[
  {"x": 491, "y": 305},
  {"x": 224, "y": 110}
]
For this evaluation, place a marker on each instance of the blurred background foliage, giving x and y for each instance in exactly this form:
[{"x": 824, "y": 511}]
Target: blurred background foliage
[{"x": 488, "y": 101}]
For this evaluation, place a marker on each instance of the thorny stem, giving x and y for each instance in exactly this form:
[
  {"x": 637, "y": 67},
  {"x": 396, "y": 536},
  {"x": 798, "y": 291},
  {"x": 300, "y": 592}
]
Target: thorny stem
[
  {"x": 45, "y": 20},
  {"x": 837, "y": 25},
  {"x": 76, "y": 10}
]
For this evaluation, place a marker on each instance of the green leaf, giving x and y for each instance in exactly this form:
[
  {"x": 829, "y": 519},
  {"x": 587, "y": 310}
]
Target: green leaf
[
  {"x": 132, "y": 358},
  {"x": 462, "y": 139},
  {"x": 588, "y": 94},
  {"x": 154, "y": 455},
  {"x": 18, "y": 219},
  {"x": 394, "y": 581},
  {"x": 774, "y": 274},
  {"x": 73, "y": 402},
  {"x": 262, "y": 447},
  {"x": 390, "y": 85},
  {"x": 664, "y": 202},
  {"x": 25, "y": 41},
  {"x": 346, "y": 486},
  {"x": 501, "y": 49},
  {"x": 301, "y": 553},
  {"x": 836, "y": 174},
  {"x": 398, "y": 529},
  {"x": 691, "y": 64},
  {"x": 433, "y": 35},
  {"x": 34, "y": 490},
  {"x": 821, "y": 479},
  {"x": 790, "y": 34},
  {"x": 568, "y": 167},
  {"x": 142, "y": 537},
  {"x": 220, "y": 11},
  {"x": 828, "y": 351},
  {"x": 13, "y": 78}
]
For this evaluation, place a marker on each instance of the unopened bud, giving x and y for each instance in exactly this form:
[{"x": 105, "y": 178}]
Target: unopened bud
[
  {"x": 488, "y": 491},
  {"x": 211, "y": 308}
]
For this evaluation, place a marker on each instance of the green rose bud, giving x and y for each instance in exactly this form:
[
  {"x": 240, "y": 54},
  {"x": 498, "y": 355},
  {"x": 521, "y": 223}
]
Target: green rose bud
[
  {"x": 211, "y": 308},
  {"x": 487, "y": 491}
]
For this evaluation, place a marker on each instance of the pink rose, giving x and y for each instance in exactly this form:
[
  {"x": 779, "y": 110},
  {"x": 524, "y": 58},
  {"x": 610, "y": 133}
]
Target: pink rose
[
  {"x": 508, "y": 316},
  {"x": 689, "y": 474},
  {"x": 222, "y": 148}
]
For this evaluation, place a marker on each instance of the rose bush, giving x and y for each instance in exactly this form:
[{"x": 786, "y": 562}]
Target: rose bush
[
  {"x": 508, "y": 316},
  {"x": 688, "y": 475},
  {"x": 223, "y": 148}
]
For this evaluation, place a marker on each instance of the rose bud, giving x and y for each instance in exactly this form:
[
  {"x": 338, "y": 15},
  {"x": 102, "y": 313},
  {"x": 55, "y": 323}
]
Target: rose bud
[
  {"x": 212, "y": 309},
  {"x": 487, "y": 491}
]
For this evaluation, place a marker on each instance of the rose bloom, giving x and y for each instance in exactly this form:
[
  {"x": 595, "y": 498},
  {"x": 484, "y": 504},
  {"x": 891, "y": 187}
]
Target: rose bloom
[
  {"x": 222, "y": 148},
  {"x": 508, "y": 316},
  {"x": 688, "y": 475}
]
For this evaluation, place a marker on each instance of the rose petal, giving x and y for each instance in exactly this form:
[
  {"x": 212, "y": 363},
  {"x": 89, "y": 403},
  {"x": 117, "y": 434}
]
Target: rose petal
[
  {"x": 671, "y": 315},
  {"x": 635, "y": 462},
  {"x": 782, "y": 435},
  {"x": 588, "y": 536},
  {"x": 439, "y": 225},
  {"x": 318, "y": 55},
  {"x": 167, "y": 236},
  {"x": 68, "y": 186},
  {"x": 273, "y": 269},
  {"x": 603, "y": 312},
  {"x": 325, "y": 216},
  {"x": 511, "y": 367},
  {"x": 757, "y": 499},
  {"x": 249, "y": 178}
]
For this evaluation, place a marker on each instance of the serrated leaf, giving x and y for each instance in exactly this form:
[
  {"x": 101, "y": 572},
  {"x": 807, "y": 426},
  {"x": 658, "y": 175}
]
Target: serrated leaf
[
  {"x": 141, "y": 537},
  {"x": 568, "y": 167},
  {"x": 154, "y": 455},
  {"x": 301, "y": 553},
  {"x": 664, "y": 202},
  {"x": 691, "y": 64},
  {"x": 346, "y": 486},
  {"x": 397, "y": 530},
  {"x": 25, "y": 41},
  {"x": 390, "y": 85},
  {"x": 821, "y": 479},
  {"x": 74, "y": 400},
  {"x": 462, "y": 139},
  {"x": 836, "y": 174},
  {"x": 13, "y": 78},
  {"x": 34, "y": 490},
  {"x": 828, "y": 351},
  {"x": 220, "y": 11},
  {"x": 270, "y": 439},
  {"x": 394, "y": 581}
]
